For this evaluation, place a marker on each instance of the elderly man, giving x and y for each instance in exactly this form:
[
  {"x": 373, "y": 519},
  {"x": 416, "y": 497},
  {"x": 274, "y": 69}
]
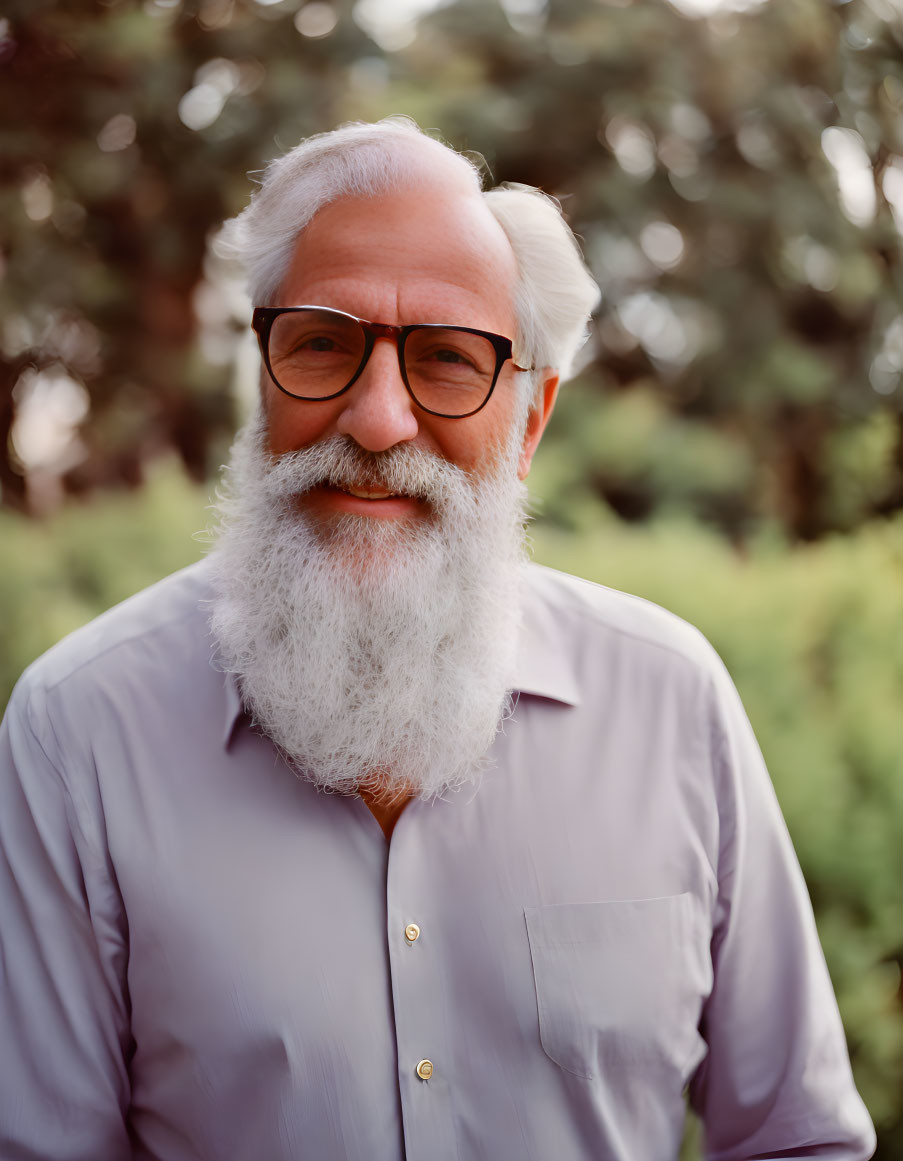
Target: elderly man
[{"x": 550, "y": 891}]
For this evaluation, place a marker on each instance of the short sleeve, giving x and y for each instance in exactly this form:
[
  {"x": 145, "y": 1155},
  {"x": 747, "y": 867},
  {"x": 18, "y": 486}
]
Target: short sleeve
[
  {"x": 776, "y": 1081},
  {"x": 63, "y": 1004}
]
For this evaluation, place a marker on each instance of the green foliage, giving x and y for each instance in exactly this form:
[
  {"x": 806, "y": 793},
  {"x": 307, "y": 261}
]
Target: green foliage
[
  {"x": 632, "y": 449},
  {"x": 59, "y": 573}
]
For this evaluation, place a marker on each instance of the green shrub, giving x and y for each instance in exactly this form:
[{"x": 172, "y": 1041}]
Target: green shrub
[{"x": 60, "y": 572}]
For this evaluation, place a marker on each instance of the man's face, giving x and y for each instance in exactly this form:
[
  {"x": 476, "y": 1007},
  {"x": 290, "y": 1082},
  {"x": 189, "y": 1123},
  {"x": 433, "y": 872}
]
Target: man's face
[
  {"x": 430, "y": 254},
  {"x": 374, "y": 638}
]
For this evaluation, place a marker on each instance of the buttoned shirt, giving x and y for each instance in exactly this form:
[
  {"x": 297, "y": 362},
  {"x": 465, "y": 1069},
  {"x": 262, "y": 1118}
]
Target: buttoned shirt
[{"x": 205, "y": 957}]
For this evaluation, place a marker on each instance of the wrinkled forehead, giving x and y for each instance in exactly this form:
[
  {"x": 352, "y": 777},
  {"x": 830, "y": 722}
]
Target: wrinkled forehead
[{"x": 434, "y": 239}]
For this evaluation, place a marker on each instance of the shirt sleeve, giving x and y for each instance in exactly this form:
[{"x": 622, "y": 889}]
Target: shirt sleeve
[
  {"x": 63, "y": 1007},
  {"x": 776, "y": 1081}
]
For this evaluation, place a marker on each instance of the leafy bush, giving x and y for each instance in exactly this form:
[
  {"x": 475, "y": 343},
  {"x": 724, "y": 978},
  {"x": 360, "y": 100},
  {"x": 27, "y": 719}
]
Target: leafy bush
[{"x": 63, "y": 571}]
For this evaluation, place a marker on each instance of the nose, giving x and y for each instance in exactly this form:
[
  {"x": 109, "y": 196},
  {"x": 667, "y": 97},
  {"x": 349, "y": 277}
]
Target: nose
[{"x": 379, "y": 413}]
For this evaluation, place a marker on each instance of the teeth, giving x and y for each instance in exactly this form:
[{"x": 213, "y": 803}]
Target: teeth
[{"x": 368, "y": 494}]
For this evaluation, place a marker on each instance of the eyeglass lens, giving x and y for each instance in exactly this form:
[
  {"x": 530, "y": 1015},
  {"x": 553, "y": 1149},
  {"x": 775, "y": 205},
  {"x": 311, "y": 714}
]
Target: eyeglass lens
[{"x": 315, "y": 354}]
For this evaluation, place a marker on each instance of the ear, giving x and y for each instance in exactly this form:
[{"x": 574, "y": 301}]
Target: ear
[{"x": 537, "y": 420}]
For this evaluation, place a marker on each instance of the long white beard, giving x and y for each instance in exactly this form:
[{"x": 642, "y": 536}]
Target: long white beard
[{"x": 376, "y": 654}]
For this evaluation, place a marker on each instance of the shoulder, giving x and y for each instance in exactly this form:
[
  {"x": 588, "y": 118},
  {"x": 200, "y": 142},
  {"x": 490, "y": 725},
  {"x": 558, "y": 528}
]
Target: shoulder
[
  {"x": 580, "y": 612},
  {"x": 604, "y": 646},
  {"x": 632, "y": 664}
]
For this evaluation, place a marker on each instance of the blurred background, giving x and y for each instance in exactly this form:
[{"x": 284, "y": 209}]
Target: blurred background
[{"x": 732, "y": 447}]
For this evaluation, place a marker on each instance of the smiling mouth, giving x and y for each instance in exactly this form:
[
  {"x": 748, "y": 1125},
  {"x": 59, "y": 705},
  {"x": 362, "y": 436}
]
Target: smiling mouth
[
  {"x": 368, "y": 499},
  {"x": 370, "y": 493}
]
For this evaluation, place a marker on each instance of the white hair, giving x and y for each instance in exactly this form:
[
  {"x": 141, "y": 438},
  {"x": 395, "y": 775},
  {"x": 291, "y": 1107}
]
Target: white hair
[{"x": 554, "y": 294}]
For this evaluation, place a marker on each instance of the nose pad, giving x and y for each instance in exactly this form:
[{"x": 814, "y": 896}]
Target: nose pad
[{"x": 379, "y": 413}]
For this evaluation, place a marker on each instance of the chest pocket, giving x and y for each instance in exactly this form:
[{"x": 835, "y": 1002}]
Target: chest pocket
[{"x": 620, "y": 984}]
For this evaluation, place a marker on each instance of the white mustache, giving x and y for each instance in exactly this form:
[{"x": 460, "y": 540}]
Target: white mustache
[{"x": 341, "y": 463}]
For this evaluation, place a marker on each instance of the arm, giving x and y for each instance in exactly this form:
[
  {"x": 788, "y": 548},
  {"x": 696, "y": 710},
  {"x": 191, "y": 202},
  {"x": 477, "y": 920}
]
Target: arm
[
  {"x": 63, "y": 1007},
  {"x": 776, "y": 1082}
]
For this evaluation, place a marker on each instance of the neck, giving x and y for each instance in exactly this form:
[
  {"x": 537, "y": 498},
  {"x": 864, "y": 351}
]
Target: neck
[{"x": 386, "y": 805}]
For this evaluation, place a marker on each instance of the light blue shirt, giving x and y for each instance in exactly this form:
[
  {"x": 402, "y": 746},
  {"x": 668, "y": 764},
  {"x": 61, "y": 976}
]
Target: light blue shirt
[{"x": 204, "y": 957}]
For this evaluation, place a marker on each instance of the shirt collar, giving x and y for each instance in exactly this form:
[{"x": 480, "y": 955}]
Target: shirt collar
[
  {"x": 544, "y": 668},
  {"x": 233, "y": 706}
]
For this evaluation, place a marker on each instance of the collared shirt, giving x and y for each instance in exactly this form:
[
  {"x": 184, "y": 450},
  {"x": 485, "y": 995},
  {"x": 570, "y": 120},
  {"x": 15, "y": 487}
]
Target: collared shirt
[{"x": 204, "y": 957}]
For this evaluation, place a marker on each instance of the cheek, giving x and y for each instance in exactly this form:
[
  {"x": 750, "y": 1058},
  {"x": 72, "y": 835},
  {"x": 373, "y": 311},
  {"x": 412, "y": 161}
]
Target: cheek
[
  {"x": 462, "y": 442},
  {"x": 473, "y": 444},
  {"x": 291, "y": 424}
]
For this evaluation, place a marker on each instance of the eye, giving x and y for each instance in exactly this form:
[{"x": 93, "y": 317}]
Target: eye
[
  {"x": 320, "y": 343},
  {"x": 448, "y": 356},
  {"x": 317, "y": 343},
  {"x": 454, "y": 356}
]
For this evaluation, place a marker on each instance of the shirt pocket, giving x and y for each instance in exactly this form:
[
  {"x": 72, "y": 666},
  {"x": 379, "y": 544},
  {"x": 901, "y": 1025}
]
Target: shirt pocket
[{"x": 620, "y": 983}]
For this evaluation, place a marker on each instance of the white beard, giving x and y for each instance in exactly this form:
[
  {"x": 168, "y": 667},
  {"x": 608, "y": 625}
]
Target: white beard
[{"x": 376, "y": 654}]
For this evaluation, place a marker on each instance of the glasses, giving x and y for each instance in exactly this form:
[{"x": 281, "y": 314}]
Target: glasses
[{"x": 315, "y": 353}]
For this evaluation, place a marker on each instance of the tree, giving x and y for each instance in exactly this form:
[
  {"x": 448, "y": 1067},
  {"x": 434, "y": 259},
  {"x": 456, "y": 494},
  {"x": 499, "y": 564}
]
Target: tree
[{"x": 738, "y": 182}]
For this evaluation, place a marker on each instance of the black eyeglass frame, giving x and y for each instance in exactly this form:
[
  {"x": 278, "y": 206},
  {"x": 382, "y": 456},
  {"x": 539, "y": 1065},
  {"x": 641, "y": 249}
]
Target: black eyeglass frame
[{"x": 264, "y": 317}]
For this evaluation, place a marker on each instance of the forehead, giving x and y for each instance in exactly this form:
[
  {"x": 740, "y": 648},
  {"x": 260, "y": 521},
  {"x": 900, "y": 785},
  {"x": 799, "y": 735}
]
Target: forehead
[{"x": 429, "y": 253}]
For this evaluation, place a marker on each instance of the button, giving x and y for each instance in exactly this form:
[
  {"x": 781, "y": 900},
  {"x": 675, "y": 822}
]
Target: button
[
  {"x": 425, "y": 1069},
  {"x": 411, "y": 932}
]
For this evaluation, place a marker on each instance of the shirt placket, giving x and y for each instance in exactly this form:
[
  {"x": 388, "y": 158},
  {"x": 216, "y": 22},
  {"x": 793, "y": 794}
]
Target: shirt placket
[{"x": 425, "y": 1077}]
